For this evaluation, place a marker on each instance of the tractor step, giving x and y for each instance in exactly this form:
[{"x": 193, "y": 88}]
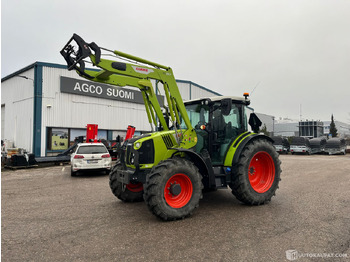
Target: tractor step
[
  {"x": 220, "y": 182},
  {"x": 220, "y": 177}
]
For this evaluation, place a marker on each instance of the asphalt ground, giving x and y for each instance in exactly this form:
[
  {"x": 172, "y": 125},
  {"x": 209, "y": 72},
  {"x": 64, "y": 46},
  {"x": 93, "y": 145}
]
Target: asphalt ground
[{"x": 47, "y": 215}]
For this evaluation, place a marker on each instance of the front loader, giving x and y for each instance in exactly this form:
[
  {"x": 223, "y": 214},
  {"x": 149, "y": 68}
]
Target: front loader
[{"x": 202, "y": 144}]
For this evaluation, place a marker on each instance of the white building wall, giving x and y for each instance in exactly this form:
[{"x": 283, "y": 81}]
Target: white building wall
[
  {"x": 286, "y": 129},
  {"x": 198, "y": 92},
  {"x": 267, "y": 120},
  {"x": 65, "y": 110},
  {"x": 184, "y": 89},
  {"x": 76, "y": 111},
  {"x": 190, "y": 90},
  {"x": 343, "y": 129},
  {"x": 17, "y": 100}
]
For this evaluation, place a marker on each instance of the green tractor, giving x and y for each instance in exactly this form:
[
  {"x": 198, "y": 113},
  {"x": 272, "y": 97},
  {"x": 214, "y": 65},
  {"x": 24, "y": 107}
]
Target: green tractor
[{"x": 202, "y": 144}]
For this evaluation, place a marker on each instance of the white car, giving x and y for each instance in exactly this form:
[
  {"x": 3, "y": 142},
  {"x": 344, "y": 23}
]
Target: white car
[
  {"x": 90, "y": 156},
  {"x": 300, "y": 149}
]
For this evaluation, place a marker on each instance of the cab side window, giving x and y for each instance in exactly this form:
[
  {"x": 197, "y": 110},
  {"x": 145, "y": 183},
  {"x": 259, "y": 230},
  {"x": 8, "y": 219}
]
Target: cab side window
[{"x": 233, "y": 122}]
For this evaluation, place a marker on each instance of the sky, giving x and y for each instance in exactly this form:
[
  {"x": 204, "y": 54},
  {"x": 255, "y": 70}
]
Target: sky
[{"x": 293, "y": 56}]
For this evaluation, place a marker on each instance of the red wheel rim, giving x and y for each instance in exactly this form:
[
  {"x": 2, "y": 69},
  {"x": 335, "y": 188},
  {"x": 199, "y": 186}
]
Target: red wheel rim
[
  {"x": 261, "y": 172},
  {"x": 178, "y": 190},
  {"x": 135, "y": 187}
]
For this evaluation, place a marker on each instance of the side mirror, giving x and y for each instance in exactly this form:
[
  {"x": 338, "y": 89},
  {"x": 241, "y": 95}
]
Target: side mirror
[
  {"x": 254, "y": 122},
  {"x": 226, "y": 105}
]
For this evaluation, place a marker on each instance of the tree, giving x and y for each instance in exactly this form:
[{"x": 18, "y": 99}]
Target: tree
[
  {"x": 264, "y": 130},
  {"x": 332, "y": 129}
]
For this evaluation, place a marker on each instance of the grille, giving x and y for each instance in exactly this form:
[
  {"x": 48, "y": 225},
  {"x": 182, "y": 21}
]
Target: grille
[
  {"x": 146, "y": 152},
  {"x": 168, "y": 141}
]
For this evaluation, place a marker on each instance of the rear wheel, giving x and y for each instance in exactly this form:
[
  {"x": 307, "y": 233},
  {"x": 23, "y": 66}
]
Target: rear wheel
[
  {"x": 173, "y": 189},
  {"x": 132, "y": 192},
  {"x": 73, "y": 173},
  {"x": 257, "y": 174}
]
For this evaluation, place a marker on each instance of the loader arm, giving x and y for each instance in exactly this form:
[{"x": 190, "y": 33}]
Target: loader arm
[{"x": 116, "y": 73}]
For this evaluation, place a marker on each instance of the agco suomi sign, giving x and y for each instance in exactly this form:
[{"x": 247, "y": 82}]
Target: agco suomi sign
[{"x": 87, "y": 88}]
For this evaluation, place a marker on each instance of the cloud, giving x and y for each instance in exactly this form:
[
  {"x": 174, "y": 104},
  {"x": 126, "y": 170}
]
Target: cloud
[{"x": 297, "y": 50}]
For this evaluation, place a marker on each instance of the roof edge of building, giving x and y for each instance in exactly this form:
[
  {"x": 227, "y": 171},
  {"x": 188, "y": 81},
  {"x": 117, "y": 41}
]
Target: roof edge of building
[
  {"x": 32, "y": 66},
  {"x": 54, "y": 65},
  {"x": 197, "y": 85}
]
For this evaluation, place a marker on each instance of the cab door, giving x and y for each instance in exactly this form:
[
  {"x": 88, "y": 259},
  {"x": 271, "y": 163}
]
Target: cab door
[
  {"x": 199, "y": 118},
  {"x": 225, "y": 129}
]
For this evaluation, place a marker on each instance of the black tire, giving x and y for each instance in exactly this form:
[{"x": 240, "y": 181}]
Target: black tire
[
  {"x": 126, "y": 193},
  {"x": 182, "y": 198},
  {"x": 73, "y": 173},
  {"x": 256, "y": 176}
]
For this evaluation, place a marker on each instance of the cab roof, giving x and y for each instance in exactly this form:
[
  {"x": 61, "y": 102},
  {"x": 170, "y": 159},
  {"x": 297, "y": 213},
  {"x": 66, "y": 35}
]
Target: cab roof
[{"x": 236, "y": 99}]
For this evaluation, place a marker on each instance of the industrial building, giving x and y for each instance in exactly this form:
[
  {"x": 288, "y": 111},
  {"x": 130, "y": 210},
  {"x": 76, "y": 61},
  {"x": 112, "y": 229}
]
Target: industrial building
[
  {"x": 311, "y": 128},
  {"x": 44, "y": 107},
  {"x": 343, "y": 129},
  {"x": 268, "y": 121},
  {"x": 287, "y": 128}
]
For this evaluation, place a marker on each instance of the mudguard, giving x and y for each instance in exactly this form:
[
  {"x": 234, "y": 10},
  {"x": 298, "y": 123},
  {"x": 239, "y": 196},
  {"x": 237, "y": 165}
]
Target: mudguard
[
  {"x": 203, "y": 164},
  {"x": 237, "y": 146}
]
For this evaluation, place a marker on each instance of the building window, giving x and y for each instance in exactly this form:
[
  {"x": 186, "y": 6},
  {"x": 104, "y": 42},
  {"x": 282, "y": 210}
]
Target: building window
[
  {"x": 57, "y": 139},
  {"x": 75, "y": 134}
]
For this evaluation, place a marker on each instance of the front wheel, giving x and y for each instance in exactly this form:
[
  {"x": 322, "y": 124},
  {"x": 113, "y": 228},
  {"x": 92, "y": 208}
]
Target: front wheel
[
  {"x": 173, "y": 189},
  {"x": 257, "y": 174},
  {"x": 132, "y": 192}
]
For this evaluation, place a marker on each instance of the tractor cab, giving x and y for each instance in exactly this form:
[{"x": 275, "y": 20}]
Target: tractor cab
[{"x": 218, "y": 121}]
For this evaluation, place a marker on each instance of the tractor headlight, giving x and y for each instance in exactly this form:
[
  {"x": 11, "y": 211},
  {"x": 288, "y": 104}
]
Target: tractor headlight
[
  {"x": 132, "y": 158},
  {"x": 137, "y": 145}
]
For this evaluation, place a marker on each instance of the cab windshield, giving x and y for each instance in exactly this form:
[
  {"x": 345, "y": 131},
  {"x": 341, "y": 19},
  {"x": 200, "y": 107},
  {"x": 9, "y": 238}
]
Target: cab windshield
[{"x": 198, "y": 115}]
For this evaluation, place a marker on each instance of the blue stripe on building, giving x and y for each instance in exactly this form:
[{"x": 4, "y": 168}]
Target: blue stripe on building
[{"x": 38, "y": 91}]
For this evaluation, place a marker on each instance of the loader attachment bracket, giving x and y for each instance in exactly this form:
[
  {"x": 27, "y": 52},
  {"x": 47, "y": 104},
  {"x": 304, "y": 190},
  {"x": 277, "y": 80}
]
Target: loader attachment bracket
[{"x": 76, "y": 50}]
